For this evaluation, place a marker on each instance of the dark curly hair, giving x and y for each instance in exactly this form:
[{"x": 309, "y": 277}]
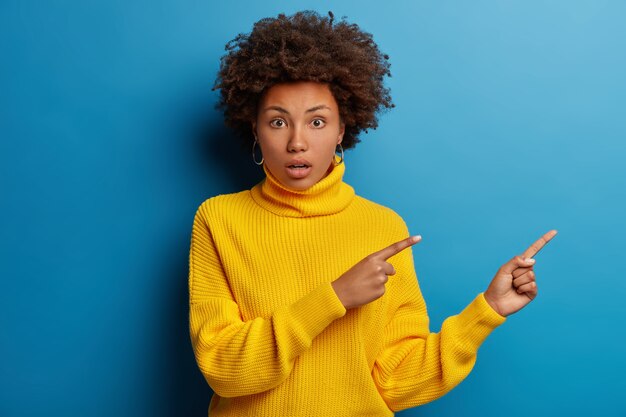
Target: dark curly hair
[{"x": 304, "y": 47}]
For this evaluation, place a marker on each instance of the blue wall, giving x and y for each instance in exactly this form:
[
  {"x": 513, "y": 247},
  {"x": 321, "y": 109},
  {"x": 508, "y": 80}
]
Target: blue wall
[{"x": 509, "y": 122}]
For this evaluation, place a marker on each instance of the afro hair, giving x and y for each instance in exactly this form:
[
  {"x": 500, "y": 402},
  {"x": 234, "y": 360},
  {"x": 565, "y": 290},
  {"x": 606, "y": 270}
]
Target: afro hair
[{"x": 304, "y": 47}]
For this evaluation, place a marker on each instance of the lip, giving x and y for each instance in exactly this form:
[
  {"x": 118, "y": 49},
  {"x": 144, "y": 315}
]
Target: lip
[
  {"x": 298, "y": 162},
  {"x": 298, "y": 173}
]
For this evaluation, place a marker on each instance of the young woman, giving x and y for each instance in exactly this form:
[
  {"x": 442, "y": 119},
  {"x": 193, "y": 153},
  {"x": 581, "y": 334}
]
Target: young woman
[{"x": 303, "y": 295}]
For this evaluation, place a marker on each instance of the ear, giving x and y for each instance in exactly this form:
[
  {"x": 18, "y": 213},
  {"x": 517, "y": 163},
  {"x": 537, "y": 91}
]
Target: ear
[
  {"x": 342, "y": 131},
  {"x": 254, "y": 129}
]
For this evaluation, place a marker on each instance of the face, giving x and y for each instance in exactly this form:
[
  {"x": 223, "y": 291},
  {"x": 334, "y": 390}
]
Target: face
[{"x": 298, "y": 128}]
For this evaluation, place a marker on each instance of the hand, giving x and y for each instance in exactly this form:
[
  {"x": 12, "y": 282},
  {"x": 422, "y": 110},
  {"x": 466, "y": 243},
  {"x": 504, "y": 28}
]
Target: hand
[
  {"x": 365, "y": 281},
  {"x": 514, "y": 285}
]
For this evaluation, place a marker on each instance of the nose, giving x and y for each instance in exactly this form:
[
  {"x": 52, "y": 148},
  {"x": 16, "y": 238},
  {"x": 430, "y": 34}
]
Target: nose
[{"x": 297, "y": 141}]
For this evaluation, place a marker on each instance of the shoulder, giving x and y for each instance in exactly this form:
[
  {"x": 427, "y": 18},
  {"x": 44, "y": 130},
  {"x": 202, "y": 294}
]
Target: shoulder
[
  {"x": 222, "y": 203},
  {"x": 379, "y": 213}
]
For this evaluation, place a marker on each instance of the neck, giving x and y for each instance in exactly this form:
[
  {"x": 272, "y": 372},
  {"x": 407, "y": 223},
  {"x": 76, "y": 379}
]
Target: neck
[{"x": 329, "y": 195}]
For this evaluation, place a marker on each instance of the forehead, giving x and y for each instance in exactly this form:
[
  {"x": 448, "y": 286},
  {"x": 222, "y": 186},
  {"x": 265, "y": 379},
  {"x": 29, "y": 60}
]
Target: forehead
[{"x": 299, "y": 95}]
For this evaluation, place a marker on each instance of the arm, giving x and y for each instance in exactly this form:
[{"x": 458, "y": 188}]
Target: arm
[
  {"x": 240, "y": 357},
  {"x": 415, "y": 366}
]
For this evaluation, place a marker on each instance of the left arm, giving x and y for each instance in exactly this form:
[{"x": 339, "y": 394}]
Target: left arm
[{"x": 415, "y": 366}]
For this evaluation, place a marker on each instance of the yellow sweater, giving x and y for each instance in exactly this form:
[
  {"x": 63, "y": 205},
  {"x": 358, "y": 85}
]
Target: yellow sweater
[{"x": 269, "y": 333}]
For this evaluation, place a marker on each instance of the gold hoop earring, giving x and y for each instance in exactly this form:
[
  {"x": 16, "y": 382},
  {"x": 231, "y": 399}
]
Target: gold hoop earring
[
  {"x": 254, "y": 158},
  {"x": 341, "y": 160}
]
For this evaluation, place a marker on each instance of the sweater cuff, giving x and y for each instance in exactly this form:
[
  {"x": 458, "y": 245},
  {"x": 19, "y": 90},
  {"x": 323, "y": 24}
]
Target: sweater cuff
[
  {"x": 477, "y": 321},
  {"x": 316, "y": 311}
]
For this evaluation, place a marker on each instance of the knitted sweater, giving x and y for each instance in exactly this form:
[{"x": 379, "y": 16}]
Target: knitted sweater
[{"x": 268, "y": 331}]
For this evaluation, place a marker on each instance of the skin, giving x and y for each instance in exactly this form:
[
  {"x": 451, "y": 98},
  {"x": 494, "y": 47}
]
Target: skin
[
  {"x": 365, "y": 281},
  {"x": 301, "y": 120},
  {"x": 298, "y": 120},
  {"x": 514, "y": 285}
]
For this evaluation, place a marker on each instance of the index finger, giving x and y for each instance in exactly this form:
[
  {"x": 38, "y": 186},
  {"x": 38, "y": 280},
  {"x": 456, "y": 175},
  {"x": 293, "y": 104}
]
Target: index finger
[
  {"x": 397, "y": 247},
  {"x": 536, "y": 247}
]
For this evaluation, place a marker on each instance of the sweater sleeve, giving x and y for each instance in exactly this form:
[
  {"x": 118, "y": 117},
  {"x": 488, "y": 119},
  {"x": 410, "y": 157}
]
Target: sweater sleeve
[
  {"x": 240, "y": 357},
  {"x": 415, "y": 366}
]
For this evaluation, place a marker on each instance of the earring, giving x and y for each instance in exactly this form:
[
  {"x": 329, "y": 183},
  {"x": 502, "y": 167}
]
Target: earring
[
  {"x": 253, "y": 157},
  {"x": 341, "y": 160}
]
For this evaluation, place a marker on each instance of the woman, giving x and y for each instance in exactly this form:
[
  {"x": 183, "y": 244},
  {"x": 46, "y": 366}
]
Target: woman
[{"x": 303, "y": 295}]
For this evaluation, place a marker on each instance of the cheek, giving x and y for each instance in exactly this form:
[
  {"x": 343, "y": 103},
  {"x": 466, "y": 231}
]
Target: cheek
[{"x": 270, "y": 148}]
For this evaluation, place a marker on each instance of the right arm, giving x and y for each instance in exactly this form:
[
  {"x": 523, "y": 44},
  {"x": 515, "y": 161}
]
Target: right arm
[{"x": 240, "y": 357}]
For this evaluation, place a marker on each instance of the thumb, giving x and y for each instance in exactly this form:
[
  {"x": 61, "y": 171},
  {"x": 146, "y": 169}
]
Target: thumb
[{"x": 516, "y": 262}]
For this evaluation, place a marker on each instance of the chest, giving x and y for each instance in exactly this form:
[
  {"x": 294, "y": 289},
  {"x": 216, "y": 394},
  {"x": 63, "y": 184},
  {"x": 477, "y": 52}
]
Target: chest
[{"x": 274, "y": 261}]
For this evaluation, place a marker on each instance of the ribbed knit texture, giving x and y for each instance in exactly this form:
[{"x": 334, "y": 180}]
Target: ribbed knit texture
[{"x": 268, "y": 331}]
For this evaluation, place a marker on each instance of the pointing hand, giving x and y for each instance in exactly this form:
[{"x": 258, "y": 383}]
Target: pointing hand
[
  {"x": 365, "y": 281},
  {"x": 514, "y": 285}
]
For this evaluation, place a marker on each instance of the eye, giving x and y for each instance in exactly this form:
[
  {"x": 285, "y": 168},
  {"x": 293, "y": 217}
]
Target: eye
[
  {"x": 277, "y": 123},
  {"x": 318, "y": 123}
]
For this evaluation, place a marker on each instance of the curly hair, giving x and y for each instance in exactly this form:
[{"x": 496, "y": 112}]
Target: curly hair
[{"x": 305, "y": 47}]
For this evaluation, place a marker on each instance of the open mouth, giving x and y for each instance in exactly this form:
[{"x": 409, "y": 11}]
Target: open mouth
[{"x": 298, "y": 171}]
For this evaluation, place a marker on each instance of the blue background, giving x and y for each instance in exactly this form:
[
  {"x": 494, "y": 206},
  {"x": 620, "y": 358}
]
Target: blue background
[{"x": 509, "y": 122}]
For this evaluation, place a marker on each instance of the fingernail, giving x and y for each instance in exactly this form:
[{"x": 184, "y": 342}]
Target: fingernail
[
  {"x": 530, "y": 260},
  {"x": 416, "y": 238}
]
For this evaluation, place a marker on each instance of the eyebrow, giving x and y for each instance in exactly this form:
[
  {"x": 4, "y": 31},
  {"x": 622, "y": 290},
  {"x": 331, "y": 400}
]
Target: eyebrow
[{"x": 312, "y": 109}]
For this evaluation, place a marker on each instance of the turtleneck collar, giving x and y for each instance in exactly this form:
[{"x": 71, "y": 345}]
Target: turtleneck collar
[{"x": 328, "y": 196}]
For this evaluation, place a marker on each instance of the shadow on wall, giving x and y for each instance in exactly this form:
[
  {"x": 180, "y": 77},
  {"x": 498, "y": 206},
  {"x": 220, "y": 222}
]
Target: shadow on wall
[
  {"x": 186, "y": 393},
  {"x": 228, "y": 162},
  {"x": 227, "y": 157}
]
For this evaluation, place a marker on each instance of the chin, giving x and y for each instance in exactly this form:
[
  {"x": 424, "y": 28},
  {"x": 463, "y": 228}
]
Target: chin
[{"x": 301, "y": 184}]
